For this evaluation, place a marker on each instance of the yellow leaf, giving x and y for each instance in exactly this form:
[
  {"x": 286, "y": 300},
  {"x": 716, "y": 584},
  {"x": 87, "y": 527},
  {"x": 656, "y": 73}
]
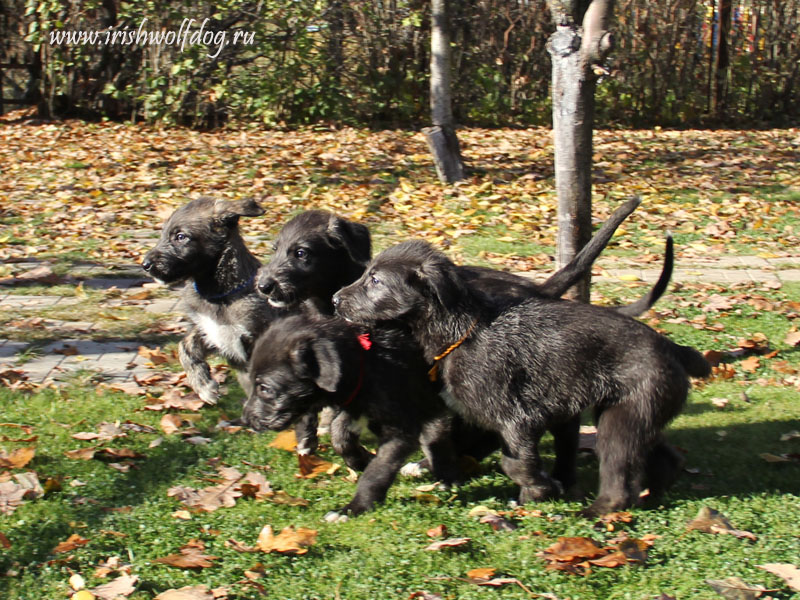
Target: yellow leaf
[
  {"x": 285, "y": 440},
  {"x": 628, "y": 277}
]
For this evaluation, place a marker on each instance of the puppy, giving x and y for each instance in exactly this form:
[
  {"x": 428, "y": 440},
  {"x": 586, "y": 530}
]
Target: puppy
[
  {"x": 521, "y": 369},
  {"x": 201, "y": 244},
  {"x": 302, "y": 363}
]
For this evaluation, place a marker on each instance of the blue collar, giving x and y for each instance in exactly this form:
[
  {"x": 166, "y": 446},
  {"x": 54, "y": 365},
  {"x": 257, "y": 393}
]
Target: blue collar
[{"x": 235, "y": 290}]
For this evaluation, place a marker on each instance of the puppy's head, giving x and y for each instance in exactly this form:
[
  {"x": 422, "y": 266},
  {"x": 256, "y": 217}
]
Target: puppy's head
[
  {"x": 316, "y": 253},
  {"x": 291, "y": 369},
  {"x": 408, "y": 281},
  {"x": 194, "y": 237}
]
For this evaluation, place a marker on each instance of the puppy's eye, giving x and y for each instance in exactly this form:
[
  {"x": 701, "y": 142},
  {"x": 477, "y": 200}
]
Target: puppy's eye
[
  {"x": 374, "y": 280},
  {"x": 181, "y": 237},
  {"x": 300, "y": 253},
  {"x": 265, "y": 390},
  {"x": 274, "y": 247}
]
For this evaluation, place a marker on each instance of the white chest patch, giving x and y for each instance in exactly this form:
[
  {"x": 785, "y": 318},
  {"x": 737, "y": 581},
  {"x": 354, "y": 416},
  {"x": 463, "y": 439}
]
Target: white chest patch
[{"x": 225, "y": 338}]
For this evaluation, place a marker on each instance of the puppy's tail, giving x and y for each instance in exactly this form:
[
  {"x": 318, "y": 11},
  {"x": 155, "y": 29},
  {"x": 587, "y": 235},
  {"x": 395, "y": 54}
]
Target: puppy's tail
[
  {"x": 569, "y": 275},
  {"x": 695, "y": 363},
  {"x": 644, "y": 303}
]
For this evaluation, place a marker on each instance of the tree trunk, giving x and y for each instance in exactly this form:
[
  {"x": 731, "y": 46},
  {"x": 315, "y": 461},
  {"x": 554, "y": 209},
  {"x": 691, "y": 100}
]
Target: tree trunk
[
  {"x": 442, "y": 138},
  {"x": 719, "y": 97},
  {"x": 576, "y": 54}
]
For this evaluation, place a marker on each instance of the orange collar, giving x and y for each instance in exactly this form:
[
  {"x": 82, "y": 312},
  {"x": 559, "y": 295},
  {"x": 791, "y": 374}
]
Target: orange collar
[{"x": 433, "y": 373}]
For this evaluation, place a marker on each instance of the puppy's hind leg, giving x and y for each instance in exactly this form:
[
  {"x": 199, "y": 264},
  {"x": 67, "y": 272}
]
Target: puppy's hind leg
[
  {"x": 621, "y": 448},
  {"x": 565, "y": 439},
  {"x": 192, "y": 352},
  {"x": 662, "y": 468}
]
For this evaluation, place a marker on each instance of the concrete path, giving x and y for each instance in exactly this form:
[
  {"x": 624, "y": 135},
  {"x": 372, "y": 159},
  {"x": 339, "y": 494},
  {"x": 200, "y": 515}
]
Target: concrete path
[{"x": 119, "y": 361}]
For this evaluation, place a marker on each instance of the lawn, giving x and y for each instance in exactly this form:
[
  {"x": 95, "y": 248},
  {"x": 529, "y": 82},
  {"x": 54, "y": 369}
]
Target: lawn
[{"x": 117, "y": 498}]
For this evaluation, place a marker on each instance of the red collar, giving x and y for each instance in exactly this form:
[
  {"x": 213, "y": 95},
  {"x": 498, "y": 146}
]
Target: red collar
[{"x": 365, "y": 344}]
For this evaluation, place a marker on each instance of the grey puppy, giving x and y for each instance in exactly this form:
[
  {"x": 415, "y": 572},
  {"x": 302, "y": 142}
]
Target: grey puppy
[
  {"x": 302, "y": 363},
  {"x": 201, "y": 244},
  {"x": 521, "y": 369}
]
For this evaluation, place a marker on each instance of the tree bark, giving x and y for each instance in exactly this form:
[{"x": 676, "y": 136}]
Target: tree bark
[
  {"x": 442, "y": 138},
  {"x": 576, "y": 55},
  {"x": 719, "y": 92}
]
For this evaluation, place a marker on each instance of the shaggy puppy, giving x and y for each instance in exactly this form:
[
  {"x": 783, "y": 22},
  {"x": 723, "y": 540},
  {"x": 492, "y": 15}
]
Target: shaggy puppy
[
  {"x": 200, "y": 244},
  {"x": 521, "y": 369},
  {"x": 302, "y": 363}
]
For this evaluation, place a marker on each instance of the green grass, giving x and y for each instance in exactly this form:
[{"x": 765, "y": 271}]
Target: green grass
[{"x": 381, "y": 555}]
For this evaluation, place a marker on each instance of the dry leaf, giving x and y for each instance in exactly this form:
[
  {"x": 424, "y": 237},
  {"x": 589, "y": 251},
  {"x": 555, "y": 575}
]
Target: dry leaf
[
  {"x": 288, "y": 541},
  {"x": 72, "y": 542},
  {"x": 312, "y": 466},
  {"x": 482, "y": 573},
  {"x": 170, "y": 423},
  {"x": 498, "y": 523},
  {"x": 4, "y": 541},
  {"x": 568, "y": 549},
  {"x": 285, "y": 440},
  {"x": 438, "y": 531},
  {"x": 81, "y": 453},
  {"x": 750, "y": 364},
  {"x": 124, "y": 585},
  {"x": 281, "y": 497},
  {"x": 734, "y": 588},
  {"x": 191, "y": 557},
  {"x": 449, "y": 543},
  {"x": 709, "y": 520},
  {"x": 17, "y": 459},
  {"x": 789, "y": 573},
  {"x": 792, "y": 338},
  {"x": 190, "y": 592},
  {"x": 11, "y": 496}
]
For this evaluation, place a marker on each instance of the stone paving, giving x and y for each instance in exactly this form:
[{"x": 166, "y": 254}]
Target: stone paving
[{"x": 120, "y": 362}]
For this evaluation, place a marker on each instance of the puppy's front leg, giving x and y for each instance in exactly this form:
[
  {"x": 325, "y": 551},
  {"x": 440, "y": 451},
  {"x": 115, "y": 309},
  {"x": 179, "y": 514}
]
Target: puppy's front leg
[
  {"x": 192, "y": 352},
  {"x": 437, "y": 444},
  {"x": 377, "y": 477},
  {"x": 305, "y": 430},
  {"x": 346, "y": 442}
]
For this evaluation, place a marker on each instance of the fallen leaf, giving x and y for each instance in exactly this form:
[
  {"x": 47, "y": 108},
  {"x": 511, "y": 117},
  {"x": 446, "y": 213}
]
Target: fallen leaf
[
  {"x": 17, "y": 459},
  {"x": 482, "y": 573},
  {"x": 124, "y": 585},
  {"x": 734, "y": 588},
  {"x": 720, "y": 402},
  {"x": 281, "y": 497},
  {"x": 170, "y": 423},
  {"x": 285, "y": 440},
  {"x": 792, "y": 338},
  {"x": 81, "y": 453},
  {"x": 449, "y": 543},
  {"x": 567, "y": 549},
  {"x": 288, "y": 541},
  {"x": 189, "y": 592},
  {"x": 76, "y": 582},
  {"x": 438, "y": 531},
  {"x": 498, "y": 523},
  {"x": 750, "y": 364},
  {"x": 4, "y": 541},
  {"x": 191, "y": 556},
  {"x": 709, "y": 520},
  {"x": 312, "y": 466},
  {"x": 72, "y": 542},
  {"x": 789, "y": 573}
]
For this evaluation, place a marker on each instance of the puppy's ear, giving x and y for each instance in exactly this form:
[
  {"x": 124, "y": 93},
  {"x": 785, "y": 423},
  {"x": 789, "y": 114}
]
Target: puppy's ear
[
  {"x": 354, "y": 237},
  {"x": 438, "y": 276},
  {"x": 229, "y": 211},
  {"x": 318, "y": 360}
]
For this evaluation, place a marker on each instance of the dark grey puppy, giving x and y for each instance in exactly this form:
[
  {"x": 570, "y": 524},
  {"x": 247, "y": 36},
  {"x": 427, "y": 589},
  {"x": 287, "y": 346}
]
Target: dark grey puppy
[
  {"x": 521, "y": 369},
  {"x": 317, "y": 253},
  {"x": 201, "y": 244},
  {"x": 302, "y": 363}
]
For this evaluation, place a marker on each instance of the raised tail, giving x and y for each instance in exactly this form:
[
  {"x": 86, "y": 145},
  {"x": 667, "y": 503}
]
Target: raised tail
[
  {"x": 644, "y": 303},
  {"x": 567, "y": 276}
]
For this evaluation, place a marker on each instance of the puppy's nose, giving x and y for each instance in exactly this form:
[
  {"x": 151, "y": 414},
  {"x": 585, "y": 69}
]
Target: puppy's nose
[
  {"x": 147, "y": 264},
  {"x": 265, "y": 286}
]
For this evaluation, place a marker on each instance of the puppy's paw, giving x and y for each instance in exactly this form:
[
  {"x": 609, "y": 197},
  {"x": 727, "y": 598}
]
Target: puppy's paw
[
  {"x": 208, "y": 393},
  {"x": 336, "y": 516},
  {"x": 413, "y": 469},
  {"x": 545, "y": 489}
]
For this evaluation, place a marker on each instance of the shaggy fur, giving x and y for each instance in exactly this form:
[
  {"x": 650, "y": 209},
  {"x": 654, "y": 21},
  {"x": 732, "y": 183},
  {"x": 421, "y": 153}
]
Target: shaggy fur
[
  {"x": 201, "y": 245},
  {"x": 302, "y": 363},
  {"x": 521, "y": 369}
]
